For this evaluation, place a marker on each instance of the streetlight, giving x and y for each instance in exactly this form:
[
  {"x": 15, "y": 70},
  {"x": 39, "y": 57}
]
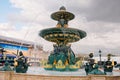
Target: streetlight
[
  {"x": 3, "y": 55},
  {"x": 100, "y": 56}
]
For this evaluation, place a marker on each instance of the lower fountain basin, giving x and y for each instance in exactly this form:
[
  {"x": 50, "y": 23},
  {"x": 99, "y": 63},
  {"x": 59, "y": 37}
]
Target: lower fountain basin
[{"x": 80, "y": 72}]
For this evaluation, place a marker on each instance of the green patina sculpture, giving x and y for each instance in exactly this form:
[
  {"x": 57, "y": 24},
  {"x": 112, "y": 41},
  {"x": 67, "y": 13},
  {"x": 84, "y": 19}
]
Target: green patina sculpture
[
  {"x": 108, "y": 66},
  {"x": 96, "y": 70},
  {"x": 6, "y": 67},
  {"x": 22, "y": 65},
  {"x": 91, "y": 67},
  {"x": 62, "y": 58}
]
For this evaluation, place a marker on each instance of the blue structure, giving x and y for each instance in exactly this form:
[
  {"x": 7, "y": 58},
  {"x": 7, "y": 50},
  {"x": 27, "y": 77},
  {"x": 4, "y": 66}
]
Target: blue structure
[
  {"x": 9, "y": 57},
  {"x": 11, "y": 46}
]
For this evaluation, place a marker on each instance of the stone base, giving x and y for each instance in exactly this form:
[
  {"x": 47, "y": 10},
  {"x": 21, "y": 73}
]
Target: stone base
[{"x": 22, "y": 76}]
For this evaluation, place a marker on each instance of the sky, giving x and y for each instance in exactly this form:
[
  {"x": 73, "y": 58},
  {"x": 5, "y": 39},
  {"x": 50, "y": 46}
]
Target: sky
[{"x": 100, "y": 19}]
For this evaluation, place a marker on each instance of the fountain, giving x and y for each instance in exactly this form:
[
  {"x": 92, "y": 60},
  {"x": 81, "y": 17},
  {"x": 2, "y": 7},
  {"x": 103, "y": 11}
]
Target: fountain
[{"x": 62, "y": 58}]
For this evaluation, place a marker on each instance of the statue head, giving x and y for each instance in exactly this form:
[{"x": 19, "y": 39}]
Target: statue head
[
  {"x": 109, "y": 56},
  {"x": 20, "y": 53},
  {"x": 91, "y": 55},
  {"x": 62, "y": 8},
  {"x": 6, "y": 63},
  {"x": 2, "y": 50}
]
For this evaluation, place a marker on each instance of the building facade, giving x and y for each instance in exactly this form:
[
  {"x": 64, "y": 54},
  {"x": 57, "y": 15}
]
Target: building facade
[{"x": 12, "y": 46}]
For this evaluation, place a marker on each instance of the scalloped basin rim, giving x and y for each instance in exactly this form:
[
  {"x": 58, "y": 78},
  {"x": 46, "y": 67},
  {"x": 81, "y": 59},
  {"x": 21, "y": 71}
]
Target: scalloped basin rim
[{"x": 47, "y": 31}]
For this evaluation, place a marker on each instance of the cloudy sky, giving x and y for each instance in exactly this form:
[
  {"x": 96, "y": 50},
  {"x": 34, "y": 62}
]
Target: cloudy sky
[{"x": 23, "y": 19}]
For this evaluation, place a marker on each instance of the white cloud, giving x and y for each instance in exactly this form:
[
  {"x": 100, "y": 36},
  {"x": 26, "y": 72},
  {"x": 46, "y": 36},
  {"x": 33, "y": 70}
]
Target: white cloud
[
  {"x": 34, "y": 16},
  {"x": 5, "y": 28}
]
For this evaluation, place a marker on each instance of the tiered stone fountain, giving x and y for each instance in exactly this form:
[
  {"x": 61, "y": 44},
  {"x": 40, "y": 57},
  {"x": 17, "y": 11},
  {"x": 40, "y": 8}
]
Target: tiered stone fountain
[{"x": 62, "y": 58}]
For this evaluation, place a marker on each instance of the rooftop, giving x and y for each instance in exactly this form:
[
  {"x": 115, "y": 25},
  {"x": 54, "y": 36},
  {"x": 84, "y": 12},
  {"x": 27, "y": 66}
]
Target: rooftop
[{"x": 15, "y": 41}]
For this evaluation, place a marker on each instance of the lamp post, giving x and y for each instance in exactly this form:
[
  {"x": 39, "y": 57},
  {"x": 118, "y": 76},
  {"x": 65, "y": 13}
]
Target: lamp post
[
  {"x": 100, "y": 54},
  {"x": 3, "y": 55}
]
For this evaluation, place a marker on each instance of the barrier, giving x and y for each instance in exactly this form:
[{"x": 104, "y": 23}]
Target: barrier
[
  {"x": 10, "y": 75},
  {"x": 5, "y": 75}
]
